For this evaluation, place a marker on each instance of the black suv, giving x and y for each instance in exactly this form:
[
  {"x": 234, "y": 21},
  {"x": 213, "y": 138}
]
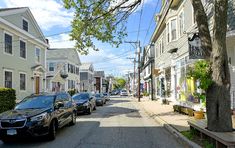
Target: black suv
[{"x": 38, "y": 115}]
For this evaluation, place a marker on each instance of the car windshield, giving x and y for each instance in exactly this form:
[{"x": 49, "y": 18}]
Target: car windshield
[
  {"x": 124, "y": 91},
  {"x": 36, "y": 102},
  {"x": 105, "y": 94},
  {"x": 81, "y": 97}
]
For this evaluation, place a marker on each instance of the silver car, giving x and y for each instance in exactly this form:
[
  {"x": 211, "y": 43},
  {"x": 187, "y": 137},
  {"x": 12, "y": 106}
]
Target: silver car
[{"x": 123, "y": 93}]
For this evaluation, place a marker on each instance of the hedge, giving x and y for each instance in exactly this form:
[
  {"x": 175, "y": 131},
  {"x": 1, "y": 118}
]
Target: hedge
[
  {"x": 7, "y": 99},
  {"x": 72, "y": 91}
]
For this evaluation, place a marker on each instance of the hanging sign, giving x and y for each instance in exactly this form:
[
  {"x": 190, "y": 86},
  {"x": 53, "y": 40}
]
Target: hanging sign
[{"x": 195, "y": 49}]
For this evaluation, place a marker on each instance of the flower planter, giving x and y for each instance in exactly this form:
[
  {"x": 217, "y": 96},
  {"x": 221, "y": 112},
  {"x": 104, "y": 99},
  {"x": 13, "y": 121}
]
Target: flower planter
[{"x": 198, "y": 114}]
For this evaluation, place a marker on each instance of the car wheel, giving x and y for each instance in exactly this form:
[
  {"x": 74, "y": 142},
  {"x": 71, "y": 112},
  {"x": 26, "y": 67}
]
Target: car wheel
[
  {"x": 94, "y": 107},
  {"x": 73, "y": 122},
  {"x": 52, "y": 131},
  {"x": 6, "y": 140},
  {"x": 89, "y": 110}
]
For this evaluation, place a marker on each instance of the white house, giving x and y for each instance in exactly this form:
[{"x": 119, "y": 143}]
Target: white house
[
  {"x": 23, "y": 51},
  {"x": 63, "y": 71},
  {"x": 176, "y": 23},
  {"x": 87, "y": 77}
]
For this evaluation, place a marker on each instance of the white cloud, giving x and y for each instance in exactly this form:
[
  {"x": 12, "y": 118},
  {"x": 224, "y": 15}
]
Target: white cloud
[{"x": 48, "y": 13}]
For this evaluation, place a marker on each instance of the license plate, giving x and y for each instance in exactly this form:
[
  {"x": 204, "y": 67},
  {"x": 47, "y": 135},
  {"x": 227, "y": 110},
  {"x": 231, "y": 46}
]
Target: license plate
[{"x": 11, "y": 132}]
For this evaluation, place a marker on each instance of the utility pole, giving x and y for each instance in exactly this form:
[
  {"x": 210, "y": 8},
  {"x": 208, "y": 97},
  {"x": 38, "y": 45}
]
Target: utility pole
[
  {"x": 139, "y": 51},
  {"x": 137, "y": 43},
  {"x": 133, "y": 81}
]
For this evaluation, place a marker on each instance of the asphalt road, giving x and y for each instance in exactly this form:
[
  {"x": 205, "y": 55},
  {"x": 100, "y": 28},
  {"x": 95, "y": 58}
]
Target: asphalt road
[{"x": 118, "y": 124}]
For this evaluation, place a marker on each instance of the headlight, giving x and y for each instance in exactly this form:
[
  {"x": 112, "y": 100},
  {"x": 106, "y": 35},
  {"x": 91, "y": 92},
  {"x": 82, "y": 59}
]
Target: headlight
[
  {"x": 40, "y": 117},
  {"x": 85, "y": 104}
]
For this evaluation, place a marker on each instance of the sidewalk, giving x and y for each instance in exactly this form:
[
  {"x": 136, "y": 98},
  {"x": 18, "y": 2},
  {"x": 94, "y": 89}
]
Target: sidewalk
[{"x": 165, "y": 113}]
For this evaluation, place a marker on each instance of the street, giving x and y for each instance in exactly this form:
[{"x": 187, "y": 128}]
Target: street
[{"x": 118, "y": 124}]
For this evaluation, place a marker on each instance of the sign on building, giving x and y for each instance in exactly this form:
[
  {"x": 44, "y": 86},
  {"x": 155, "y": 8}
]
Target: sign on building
[{"x": 195, "y": 49}]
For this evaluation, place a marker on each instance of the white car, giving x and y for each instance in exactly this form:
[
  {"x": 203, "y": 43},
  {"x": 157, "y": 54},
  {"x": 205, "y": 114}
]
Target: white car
[{"x": 123, "y": 93}]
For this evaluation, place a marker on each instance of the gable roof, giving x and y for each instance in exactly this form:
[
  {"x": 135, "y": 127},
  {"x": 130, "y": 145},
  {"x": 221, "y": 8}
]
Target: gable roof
[
  {"x": 15, "y": 10},
  {"x": 64, "y": 53},
  {"x": 86, "y": 66}
]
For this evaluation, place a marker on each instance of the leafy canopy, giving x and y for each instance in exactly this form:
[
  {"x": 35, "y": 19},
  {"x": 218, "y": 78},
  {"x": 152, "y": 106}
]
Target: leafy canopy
[{"x": 102, "y": 20}]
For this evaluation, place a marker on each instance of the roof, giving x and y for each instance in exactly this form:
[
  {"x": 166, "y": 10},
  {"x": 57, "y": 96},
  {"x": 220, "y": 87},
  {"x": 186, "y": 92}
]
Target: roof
[
  {"x": 26, "y": 10},
  {"x": 69, "y": 54},
  {"x": 85, "y": 66},
  {"x": 99, "y": 74},
  {"x": 6, "y": 9}
]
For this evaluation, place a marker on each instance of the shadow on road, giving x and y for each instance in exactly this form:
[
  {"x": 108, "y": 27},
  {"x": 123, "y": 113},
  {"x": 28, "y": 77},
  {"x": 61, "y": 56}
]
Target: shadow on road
[{"x": 87, "y": 134}]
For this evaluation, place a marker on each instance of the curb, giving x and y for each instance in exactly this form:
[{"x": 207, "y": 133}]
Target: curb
[{"x": 180, "y": 138}]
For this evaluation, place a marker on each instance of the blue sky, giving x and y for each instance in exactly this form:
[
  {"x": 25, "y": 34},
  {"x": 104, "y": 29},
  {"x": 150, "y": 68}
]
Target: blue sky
[{"x": 54, "y": 19}]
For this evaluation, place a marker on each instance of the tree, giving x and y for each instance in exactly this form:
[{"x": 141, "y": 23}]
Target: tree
[
  {"x": 104, "y": 20},
  {"x": 120, "y": 83},
  {"x": 218, "y": 94}
]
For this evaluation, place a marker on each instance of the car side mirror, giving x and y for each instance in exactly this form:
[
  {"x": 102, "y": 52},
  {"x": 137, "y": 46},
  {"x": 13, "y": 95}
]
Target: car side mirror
[{"x": 59, "y": 105}]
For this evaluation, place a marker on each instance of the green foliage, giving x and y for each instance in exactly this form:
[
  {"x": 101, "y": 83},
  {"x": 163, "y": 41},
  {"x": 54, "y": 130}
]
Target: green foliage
[
  {"x": 102, "y": 20},
  {"x": 120, "y": 83},
  {"x": 7, "y": 99},
  {"x": 202, "y": 72},
  {"x": 145, "y": 93},
  {"x": 72, "y": 91}
]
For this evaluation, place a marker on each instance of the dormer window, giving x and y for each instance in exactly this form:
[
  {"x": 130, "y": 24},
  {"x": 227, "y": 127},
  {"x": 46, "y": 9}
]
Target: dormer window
[{"x": 25, "y": 25}]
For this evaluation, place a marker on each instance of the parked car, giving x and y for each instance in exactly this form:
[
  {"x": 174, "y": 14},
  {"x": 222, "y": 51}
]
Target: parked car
[
  {"x": 38, "y": 115},
  {"x": 85, "y": 102},
  {"x": 100, "y": 100},
  {"x": 123, "y": 93},
  {"x": 106, "y": 96}
]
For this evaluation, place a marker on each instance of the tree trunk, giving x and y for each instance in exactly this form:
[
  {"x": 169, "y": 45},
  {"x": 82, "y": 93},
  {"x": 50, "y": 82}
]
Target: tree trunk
[{"x": 218, "y": 95}]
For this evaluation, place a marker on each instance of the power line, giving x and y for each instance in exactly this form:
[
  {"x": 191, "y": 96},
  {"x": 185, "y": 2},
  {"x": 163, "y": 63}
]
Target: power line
[
  {"x": 141, "y": 12},
  {"x": 151, "y": 21}
]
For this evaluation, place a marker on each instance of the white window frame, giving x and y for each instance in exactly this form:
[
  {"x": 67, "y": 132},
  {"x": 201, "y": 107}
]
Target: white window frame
[
  {"x": 193, "y": 16},
  {"x": 25, "y": 49},
  {"x": 25, "y": 81},
  {"x": 5, "y": 32},
  {"x": 183, "y": 23},
  {"x": 170, "y": 35},
  {"x": 36, "y": 59},
  {"x": 49, "y": 66},
  {"x": 176, "y": 36},
  {"x": 8, "y": 70},
  {"x": 24, "y": 19}
]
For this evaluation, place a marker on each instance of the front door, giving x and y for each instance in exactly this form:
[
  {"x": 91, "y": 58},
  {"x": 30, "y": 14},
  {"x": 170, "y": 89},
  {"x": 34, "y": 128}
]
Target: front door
[{"x": 37, "y": 85}]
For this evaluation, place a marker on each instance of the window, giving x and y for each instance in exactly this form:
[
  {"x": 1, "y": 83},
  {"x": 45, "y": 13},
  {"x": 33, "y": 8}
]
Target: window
[
  {"x": 77, "y": 70},
  {"x": 22, "y": 49},
  {"x": 22, "y": 81},
  {"x": 8, "y": 43},
  {"x": 51, "y": 66},
  {"x": 162, "y": 45},
  {"x": 181, "y": 23},
  {"x": 25, "y": 25},
  {"x": 71, "y": 84},
  {"x": 8, "y": 79},
  {"x": 173, "y": 29},
  {"x": 37, "y": 54},
  {"x": 168, "y": 33}
]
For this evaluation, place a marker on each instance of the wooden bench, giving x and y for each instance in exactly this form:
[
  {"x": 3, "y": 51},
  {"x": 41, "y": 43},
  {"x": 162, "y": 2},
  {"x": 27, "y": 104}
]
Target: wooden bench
[{"x": 226, "y": 138}]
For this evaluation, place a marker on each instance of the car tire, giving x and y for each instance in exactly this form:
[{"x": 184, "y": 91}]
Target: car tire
[
  {"x": 73, "y": 122},
  {"x": 6, "y": 140},
  {"x": 94, "y": 107},
  {"x": 52, "y": 131},
  {"x": 89, "y": 110}
]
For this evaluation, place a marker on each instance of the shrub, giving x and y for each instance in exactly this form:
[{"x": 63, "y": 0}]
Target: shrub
[
  {"x": 7, "y": 99},
  {"x": 72, "y": 91}
]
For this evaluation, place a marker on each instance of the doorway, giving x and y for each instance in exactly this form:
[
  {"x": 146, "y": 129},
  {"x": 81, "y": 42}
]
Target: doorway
[{"x": 37, "y": 85}]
